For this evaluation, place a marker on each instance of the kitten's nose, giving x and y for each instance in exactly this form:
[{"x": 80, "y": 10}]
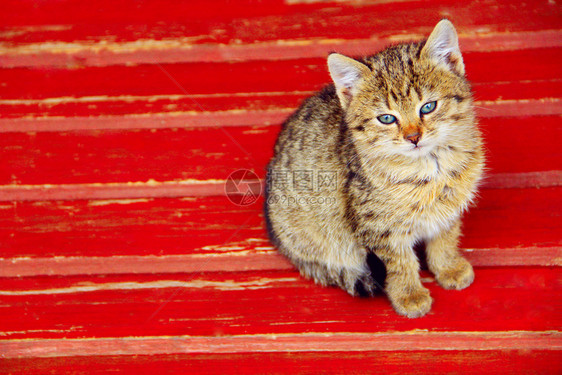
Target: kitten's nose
[{"x": 414, "y": 137}]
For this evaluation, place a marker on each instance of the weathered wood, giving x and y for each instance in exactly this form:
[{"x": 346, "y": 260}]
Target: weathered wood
[
  {"x": 196, "y": 188},
  {"x": 255, "y": 258},
  {"x": 175, "y": 51},
  {"x": 208, "y": 154},
  {"x": 487, "y": 70},
  {"x": 310, "y": 342},
  {"x": 211, "y": 233},
  {"x": 124, "y": 32},
  {"x": 106, "y": 105},
  {"x": 253, "y": 20},
  {"x": 235, "y": 117},
  {"x": 399, "y": 362},
  {"x": 226, "y": 304}
]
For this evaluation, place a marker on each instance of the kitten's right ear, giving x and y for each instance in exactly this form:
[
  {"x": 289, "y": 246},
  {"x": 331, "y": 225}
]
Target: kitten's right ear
[{"x": 346, "y": 73}]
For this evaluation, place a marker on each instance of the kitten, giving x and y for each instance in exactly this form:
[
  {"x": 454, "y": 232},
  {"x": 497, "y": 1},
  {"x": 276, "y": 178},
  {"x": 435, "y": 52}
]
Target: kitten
[{"x": 386, "y": 157}]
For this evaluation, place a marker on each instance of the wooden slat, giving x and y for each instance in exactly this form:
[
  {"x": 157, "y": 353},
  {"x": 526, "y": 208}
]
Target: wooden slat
[
  {"x": 500, "y": 15},
  {"x": 107, "y": 105},
  {"x": 130, "y": 156},
  {"x": 190, "y": 120},
  {"x": 224, "y": 304},
  {"x": 531, "y": 95},
  {"x": 180, "y": 111},
  {"x": 307, "y": 74},
  {"x": 236, "y": 117},
  {"x": 261, "y": 258},
  {"x": 412, "y": 362},
  {"x": 207, "y": 154},
  {"x": 310, "y": 342},
  {"x": 275, "y": 18},
  {"x": 194, "y": 188},
  {"x": 149, "y": 227},
  {"x": 134, "y": 33},
  {"x": 173, "y": 51},
  {"x": 212, "y": 234},
  {"x": 128, "y": 227}
]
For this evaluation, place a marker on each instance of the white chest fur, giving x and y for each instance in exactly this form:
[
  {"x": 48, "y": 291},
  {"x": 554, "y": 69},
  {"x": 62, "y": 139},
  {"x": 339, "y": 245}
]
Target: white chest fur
[{"x": 426, "y": 195}]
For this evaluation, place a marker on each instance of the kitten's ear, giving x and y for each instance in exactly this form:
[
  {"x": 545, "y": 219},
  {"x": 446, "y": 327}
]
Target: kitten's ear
[
  {"x": 346, "y": 73},
  {"x": 442, "y": 46}
]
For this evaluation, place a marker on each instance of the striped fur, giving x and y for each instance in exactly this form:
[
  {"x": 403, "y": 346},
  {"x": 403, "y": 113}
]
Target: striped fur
[{"x": 396, "y": 184}]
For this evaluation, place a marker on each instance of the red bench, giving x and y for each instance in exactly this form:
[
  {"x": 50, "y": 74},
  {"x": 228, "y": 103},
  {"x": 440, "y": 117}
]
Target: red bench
[{"x": 120, "y": 122}]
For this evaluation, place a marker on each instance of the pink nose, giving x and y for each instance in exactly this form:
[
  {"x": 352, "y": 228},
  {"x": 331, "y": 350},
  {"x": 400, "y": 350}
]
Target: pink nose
[{"x": 414, "y": 138}]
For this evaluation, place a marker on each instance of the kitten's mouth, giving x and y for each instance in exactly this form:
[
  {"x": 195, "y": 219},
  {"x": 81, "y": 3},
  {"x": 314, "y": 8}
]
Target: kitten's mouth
[{"x": 420, "y": 150}]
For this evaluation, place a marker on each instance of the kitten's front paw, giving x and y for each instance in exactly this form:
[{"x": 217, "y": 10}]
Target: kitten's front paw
[
  {"x": 414, "y": 304},
  {"x": 458, "y": 276}
]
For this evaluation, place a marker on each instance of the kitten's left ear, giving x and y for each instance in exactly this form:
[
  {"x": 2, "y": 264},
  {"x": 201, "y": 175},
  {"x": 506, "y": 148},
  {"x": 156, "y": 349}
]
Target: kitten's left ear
[{"x": 442, "y": 46}]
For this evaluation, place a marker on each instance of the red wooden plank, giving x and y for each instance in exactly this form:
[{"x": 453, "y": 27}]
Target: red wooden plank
[
  {"x": 307, "y": 74},
  {"x": 258, "y": 21},
  {"x": 492, "y": 100},
  {"x": 130, "y": 156},
  {"x": 501, "y": 213},
  {"x": 286, "y": 343},
  {"x": 411, "y": 362},
  {"x": 192, "y": 119},
  {"x": 238, "y": 117},
  {"x": 521, "y": 180},
  {"x": 250, "y": 260},
  {"x": 213, "y": 234},
  {"x": 211, "y": 225},
  {"x": 237, "y": 312},
  {"x": 172, "y": 51},
  {"x": 26, "y": 12},
  {"x": 203, "y": 154},
  {"x": 277, "y": 303},
  {"x": 189, "y": 188},
  {"x": 194, "y": 188}
]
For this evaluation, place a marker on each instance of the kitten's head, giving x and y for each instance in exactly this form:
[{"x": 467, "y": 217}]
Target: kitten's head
[{"x": 408, "y": 99}]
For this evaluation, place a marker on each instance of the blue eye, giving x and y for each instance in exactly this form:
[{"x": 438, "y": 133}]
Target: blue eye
[
  {"x": 428, "y": 108},
  {"x": 387, "y": 119}
]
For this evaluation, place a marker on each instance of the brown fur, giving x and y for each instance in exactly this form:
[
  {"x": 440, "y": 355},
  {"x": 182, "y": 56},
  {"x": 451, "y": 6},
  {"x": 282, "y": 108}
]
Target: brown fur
[{"x": 390, "y": 193}]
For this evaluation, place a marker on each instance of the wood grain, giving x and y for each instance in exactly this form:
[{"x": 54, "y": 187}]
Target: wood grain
[
  {"x": 226, "y": 304},
  {"x": 122, "y": 32},
  {"x": 210, "y": 233},
  {"x": 207, "y": 154},
  {"x": 120, "y": 122},
  {"x": 489, "y": 71},
  {"x": 412, "y": 341},
  {"x": 412, "y": 362}
]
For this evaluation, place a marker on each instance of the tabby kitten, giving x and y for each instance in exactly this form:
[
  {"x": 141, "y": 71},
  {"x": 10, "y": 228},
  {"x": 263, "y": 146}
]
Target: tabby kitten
[{"x": 387, "y": 157}]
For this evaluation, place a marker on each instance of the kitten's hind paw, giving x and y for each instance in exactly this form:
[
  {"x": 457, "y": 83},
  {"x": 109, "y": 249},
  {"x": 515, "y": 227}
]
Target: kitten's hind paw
[
  {"x": 414, "y": 304},
  {"x": 458, "y": 276}
]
